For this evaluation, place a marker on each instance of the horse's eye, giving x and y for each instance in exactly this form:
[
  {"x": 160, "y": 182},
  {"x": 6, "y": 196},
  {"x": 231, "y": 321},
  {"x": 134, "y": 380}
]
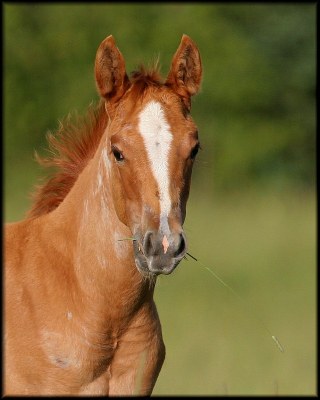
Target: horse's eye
[
  {"x": 117, "y": 154},
  {"x": 194, "y": 151}
]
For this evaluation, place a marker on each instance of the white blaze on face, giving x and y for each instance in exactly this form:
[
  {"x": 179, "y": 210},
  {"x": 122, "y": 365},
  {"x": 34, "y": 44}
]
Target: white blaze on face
[{"x": 157, "y": 137}]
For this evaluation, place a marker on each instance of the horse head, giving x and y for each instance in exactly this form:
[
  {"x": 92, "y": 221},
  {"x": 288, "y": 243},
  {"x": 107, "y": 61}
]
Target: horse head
[{"x": 150, "y": 147}]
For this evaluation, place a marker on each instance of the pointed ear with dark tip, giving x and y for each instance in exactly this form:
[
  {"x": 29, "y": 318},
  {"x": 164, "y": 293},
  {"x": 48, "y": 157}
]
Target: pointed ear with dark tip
[
  {"x": 110, "y": 71},
  {"x": 186, "y": 71}
]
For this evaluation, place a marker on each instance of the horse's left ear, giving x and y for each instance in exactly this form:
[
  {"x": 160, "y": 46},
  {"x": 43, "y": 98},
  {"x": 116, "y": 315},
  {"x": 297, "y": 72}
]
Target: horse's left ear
[
  {"x": 110, "y": 71},
  {"x": 186, "y": 71}
]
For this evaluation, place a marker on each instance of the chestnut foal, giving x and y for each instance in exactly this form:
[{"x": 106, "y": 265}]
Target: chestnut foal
[{"x": 79, "y": 311}]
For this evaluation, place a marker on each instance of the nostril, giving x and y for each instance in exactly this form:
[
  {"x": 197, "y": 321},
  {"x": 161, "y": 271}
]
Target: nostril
[
  {"x": 148, "y": 248},
  {"x": 182, "y": 247}
]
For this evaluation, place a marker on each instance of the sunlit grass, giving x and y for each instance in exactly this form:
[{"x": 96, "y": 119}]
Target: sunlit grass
[{"x": 263, "y": 246}]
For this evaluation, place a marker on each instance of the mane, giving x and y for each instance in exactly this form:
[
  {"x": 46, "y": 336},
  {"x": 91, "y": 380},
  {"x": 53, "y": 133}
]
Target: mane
[
  {"x": 71, "y": 148},
  {"x": 76, "y": 142},
  {"x": 143, "y": 78},
  {"x": 146, "y": 77}
]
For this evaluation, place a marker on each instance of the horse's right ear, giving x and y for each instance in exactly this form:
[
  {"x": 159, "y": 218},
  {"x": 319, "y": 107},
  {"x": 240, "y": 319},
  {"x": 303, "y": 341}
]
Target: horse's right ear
[{"x": 110, "y": 71}]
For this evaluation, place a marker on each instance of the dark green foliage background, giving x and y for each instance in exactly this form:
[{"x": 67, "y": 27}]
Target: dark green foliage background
[{"x": 256, "y": 111}]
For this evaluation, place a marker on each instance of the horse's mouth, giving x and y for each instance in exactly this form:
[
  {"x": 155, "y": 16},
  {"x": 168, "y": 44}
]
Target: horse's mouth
[{"x": 155, "y": 266}]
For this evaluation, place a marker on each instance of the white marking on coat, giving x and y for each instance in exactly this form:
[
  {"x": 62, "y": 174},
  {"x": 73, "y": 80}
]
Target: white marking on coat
[
  {"x": 104, "y": 155},
  {"x": 157, "y": 137},
  {"x": 165, "y": 244},
  {"x": 99, "y": 186}
]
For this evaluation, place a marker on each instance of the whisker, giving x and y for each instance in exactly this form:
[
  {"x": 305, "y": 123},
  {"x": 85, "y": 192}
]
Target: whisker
[{"x": 192, "y": 257}]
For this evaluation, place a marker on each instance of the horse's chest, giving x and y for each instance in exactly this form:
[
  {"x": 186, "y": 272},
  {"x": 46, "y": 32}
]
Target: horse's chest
[
  {"x": 62, "y": 368},
  {"x": 79, "y": 360}
]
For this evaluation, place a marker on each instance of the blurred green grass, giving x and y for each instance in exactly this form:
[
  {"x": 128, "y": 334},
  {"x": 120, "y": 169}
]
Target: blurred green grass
[
  {"x": 19, "y": 182},
  {"x": 263, "y": 246}
]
